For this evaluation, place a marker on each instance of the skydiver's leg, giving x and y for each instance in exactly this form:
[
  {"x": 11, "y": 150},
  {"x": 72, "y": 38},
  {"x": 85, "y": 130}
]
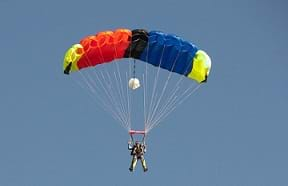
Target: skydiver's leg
[
  {"x": 133, "y": 163},
  {"x": 144, "y": 165}
]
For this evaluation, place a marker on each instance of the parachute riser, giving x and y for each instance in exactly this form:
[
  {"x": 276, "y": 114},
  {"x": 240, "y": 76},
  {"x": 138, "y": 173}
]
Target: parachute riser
[{"x": 138, "y": 132}]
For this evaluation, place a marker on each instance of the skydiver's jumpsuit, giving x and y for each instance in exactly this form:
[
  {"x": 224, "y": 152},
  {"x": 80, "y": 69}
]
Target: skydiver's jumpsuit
[{"x": 137, "y": 152}]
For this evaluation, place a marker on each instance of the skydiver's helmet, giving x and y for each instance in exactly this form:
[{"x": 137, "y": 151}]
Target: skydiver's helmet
[{"x": 137, "y": 143}]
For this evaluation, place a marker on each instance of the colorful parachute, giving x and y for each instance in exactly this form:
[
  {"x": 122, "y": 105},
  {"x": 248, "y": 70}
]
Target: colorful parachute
[
  {"x": 167, "y": 51},
  {"x": 112, "y": 54}
]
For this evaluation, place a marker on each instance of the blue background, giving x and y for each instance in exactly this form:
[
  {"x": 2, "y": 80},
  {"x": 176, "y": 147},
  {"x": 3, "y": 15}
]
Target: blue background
[{"x": 51, "y": 133}]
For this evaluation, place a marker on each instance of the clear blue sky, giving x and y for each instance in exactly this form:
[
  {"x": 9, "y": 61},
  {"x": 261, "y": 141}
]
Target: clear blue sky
[{"x": 51, "y": 133}]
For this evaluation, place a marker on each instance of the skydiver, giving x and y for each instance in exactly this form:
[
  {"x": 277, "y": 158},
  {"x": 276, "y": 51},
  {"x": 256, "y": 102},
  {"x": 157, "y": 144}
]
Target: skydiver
[{"x": 137, "y": 152}]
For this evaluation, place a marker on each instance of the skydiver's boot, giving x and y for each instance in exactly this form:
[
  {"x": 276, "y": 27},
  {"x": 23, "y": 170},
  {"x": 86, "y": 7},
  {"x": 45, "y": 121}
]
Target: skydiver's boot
[
  {"x": 133, "y": 164},
  {"x": 144, "y": 165}
]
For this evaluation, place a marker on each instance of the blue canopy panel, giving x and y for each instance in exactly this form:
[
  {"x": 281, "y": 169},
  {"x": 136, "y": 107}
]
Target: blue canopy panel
[{"x": 169, "y": 52}]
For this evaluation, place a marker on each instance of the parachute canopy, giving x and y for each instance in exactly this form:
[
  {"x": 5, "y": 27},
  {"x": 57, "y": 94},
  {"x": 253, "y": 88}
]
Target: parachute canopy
[
  {"x": 138, "y": 76},
  {"x": 166, "y": 51}
]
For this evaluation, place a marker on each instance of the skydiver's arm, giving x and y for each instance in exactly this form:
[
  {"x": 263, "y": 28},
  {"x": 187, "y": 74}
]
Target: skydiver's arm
[
  {"x": 144, "y": 148},
  {"x": 131, "y": 142},
  {"x": 130, "y": 145}
]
